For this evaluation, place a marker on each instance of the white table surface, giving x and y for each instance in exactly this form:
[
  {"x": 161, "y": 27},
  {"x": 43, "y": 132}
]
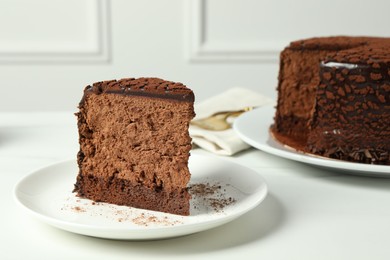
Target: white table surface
[{"x": 309, "y": 213}]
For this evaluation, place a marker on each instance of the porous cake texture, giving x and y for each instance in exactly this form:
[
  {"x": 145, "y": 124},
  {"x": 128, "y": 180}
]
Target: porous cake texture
[
  {"x": 135, "y": 145},
  {"x": 334, "y": 98}
]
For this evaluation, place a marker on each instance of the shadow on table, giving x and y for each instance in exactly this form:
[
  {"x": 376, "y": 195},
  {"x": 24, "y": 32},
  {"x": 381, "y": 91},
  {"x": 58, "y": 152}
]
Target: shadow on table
[
  {"x": 9, "y": 134},
  {"x": 257, "y": 224},
  {"x": 346, "y": 178}
]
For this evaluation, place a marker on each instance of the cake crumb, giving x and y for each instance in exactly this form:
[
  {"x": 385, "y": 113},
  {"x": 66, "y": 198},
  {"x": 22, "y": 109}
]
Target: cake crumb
[{"x": 78, "y": 209}]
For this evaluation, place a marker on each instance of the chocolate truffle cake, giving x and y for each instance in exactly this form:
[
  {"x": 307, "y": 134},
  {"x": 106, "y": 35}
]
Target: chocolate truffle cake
[
  {"x": 334, "y": 98},
  {"x": 134, "y": 144}
]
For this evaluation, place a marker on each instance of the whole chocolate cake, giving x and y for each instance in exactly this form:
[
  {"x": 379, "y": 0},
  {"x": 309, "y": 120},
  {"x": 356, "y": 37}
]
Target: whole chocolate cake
[
  {"x": 334, "y": 98},
  {"x": 134, "y": 144}
]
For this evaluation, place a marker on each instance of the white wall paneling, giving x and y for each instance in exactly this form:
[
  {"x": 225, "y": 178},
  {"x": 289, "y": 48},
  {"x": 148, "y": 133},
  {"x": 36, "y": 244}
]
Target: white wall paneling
[
  {"x": 205, "y": 47},
  {"x": 257, "y": 30},
  {"x": 54, "y": 31},
  {"x": 51, "y": 49}
]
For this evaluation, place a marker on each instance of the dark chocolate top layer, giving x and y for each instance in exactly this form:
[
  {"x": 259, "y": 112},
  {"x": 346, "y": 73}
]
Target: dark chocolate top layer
[
  {"x": 329, "y": 43},
  {"x": 148, "y": 87},
  {"x": 354, "y": 50}
]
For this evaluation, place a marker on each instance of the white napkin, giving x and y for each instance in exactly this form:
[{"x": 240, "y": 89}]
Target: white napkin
[{"x": 224, "y": 142}]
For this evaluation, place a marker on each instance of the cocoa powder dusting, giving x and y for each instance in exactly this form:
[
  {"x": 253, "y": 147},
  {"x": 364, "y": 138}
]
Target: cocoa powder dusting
[
  {"x": 78, "y": 209},
  {"x": 146, "y": 220},
  {"x": 219, "y": 204},
  {"x": 203, "y": 189},
  {"x": 211, "y": 196}
]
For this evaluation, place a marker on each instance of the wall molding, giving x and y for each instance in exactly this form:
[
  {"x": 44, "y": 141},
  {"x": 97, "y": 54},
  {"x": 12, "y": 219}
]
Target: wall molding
[
  {"x": 95, "y": 50},
  {"x": 205, "y": 50}
]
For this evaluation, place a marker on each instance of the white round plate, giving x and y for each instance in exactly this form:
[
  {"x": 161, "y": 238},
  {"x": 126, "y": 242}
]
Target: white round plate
[
  {"x": 253, "y": 128},
  {"x": 232, "y": 191}
]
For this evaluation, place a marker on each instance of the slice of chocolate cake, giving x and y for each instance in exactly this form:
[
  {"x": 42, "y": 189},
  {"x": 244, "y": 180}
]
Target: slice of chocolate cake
[{"x": 134, "y": 144}]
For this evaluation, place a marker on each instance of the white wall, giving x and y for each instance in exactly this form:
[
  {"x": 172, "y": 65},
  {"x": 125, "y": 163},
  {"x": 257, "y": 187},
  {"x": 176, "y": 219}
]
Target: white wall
[{"x": 51, "y": 49}]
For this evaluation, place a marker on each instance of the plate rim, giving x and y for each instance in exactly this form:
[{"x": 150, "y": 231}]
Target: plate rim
[
  {"x": 263, "y": 140},
  {"x": 139, "y": 232}
]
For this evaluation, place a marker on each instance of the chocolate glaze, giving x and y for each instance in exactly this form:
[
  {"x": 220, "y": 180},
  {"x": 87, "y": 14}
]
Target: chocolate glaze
[
  {"x": 148, "y": 87},
  {"x": 349, "y": 117}
]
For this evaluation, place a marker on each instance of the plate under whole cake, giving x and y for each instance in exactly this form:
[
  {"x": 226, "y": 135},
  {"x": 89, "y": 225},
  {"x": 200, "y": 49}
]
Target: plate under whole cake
[{"x": 253, "y": 127}]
